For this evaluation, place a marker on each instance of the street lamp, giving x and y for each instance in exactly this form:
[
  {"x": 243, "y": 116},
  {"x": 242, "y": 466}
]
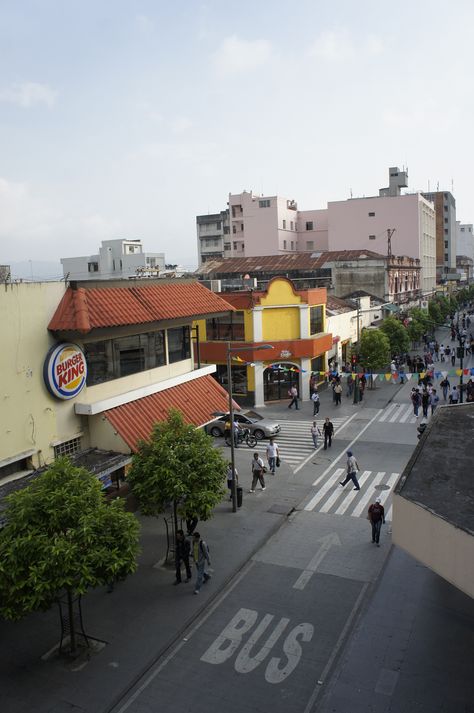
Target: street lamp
[{"x": 231, "y": 350}]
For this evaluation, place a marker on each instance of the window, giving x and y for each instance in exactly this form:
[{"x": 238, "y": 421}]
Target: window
[
  {"x": 218, "y": 225},
  {"x": 226, "y": 246},
  {"x": 234, "y": 229},
  {"x": 234, "y": 245},
  {"x": 129, "y": 354},
  {"x": 284, "y": 245},
  {"x": 371, "y": 215},
  {"x": 227, "y": 328},
  {"x": 316, "y": 320},
  {"x": 445, "y": 220},
  {"x": 371, "y": 237},
  {"x": 292, "y": 227},
  {"x": 284, "y": 225},
  {"x": 99, "y": 360},
  {"x": 239, "y": 378},
  {"x": 157, "y": 352},
  {"x": 445, "y": 243},
  {"x": 179, "y": 346},
  {"x": 462, "y": 230},
  {"x": 93, "y": 266},
  {"x": 241, "y": 226},
  {"x": 309, "y": 225},
  {"x": 317, "y": 364},
  {"x": 292, "y": 245},
  {"x": 445, "y": 207},
  {"x": 67, "y": 448},
  {"x": 445, "y": 231},
  {"x": 446, "y": 257},
  {"x": 226, "y": 230},
  {"x": 310, "y": 245},
  {"x": 264, "y": 204},
  {"x": 393, "y": 175}
]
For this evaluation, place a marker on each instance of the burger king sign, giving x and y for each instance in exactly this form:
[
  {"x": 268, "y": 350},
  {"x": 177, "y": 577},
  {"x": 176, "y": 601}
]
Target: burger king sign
[{"x": 65, "y": 371}]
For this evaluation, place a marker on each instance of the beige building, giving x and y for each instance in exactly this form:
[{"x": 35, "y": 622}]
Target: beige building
[{"x": 94, "y": 365}]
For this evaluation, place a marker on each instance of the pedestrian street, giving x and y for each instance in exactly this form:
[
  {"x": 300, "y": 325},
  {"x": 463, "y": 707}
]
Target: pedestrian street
[
  {"x": 333, "y": 499},
  {"x": 294, "y": 440}
]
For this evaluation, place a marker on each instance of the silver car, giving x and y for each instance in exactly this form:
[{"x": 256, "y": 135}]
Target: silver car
[{"x": 259, "y": 426}]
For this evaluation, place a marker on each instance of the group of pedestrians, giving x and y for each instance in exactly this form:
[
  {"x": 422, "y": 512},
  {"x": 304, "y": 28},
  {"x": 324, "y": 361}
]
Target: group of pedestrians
[{"x": 199, "y": 551}]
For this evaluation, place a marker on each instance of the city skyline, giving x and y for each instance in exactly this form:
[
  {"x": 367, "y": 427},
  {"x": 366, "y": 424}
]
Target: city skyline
[{"x": 137, "y": 118}]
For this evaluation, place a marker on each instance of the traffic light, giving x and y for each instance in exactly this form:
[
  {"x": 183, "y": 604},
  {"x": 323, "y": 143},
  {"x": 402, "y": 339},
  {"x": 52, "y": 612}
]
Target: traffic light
[
  {"x": 353, "y": 361},
  {"x": 460, "y": 352}
]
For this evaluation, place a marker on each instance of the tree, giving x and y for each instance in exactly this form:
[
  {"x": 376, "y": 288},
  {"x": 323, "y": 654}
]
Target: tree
[
  {"x": 415, "y": 330},
  {"x": 374, "y": 349},
  {"x": 62, "y": 537},
  {"x": 397, "y": 335},
  {"x": 178, "y": 465},
  {"x": 435, "y": 312}
]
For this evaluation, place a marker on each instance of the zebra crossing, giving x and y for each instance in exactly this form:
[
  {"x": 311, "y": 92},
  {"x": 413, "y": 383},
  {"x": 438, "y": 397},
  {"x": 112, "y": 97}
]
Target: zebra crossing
[
  {"x": 332, "y": 499},
  {"x": 398, "y": 413},
  {"x": 294, "y": 440}
]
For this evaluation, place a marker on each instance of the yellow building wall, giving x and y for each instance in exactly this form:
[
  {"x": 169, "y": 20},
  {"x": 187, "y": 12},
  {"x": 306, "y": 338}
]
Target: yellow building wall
[
  {"x": 30, "y": 418},
  {"x": 248, "y": 325},
  {"x": 280, "y": 292},
  {"x": 281, "y": 323}
]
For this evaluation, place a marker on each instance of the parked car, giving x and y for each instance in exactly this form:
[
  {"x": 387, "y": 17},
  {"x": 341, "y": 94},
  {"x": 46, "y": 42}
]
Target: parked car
[{"x": 258, "y": 426}]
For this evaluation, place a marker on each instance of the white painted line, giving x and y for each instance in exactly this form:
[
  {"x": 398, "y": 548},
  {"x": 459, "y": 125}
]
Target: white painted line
[
  {"x": 408, "y": 411},
  {"x": 412, "y": 419},
  {"x": 353, "y": 494},
  {"x": 390, "y": 482},
  {"x": 343, "y": 452},
  {"x": 388, "y": 516},
  {"x": 388, "y": 411},
  {"x": 325, "y": 488},
  {"x": 306, "y": 574},
  {"x": 336, "y": 430},
  {"x": 396, "y": 415},
  {"x": 368, "y": 495}
]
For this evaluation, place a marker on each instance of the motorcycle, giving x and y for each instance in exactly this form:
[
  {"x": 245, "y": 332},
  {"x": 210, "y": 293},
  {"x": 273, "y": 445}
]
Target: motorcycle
[{"x": 243, "y": 435}]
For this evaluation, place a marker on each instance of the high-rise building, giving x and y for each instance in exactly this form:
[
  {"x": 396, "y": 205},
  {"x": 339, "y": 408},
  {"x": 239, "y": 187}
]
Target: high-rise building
[
  {"x": 464, "y": 239},
  {"x": 445, "y": 208}
]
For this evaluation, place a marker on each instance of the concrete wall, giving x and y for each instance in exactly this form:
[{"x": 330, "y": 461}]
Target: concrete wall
[
  {"x": 445, "y": 549},
  {"x": 465, "y": 239},
  {"x": 352, "y": 275}
]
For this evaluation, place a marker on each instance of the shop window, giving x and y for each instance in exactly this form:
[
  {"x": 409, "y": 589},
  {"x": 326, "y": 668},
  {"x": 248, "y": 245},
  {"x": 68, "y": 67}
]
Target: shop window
[
  {"x": 316, "y": 319},
  {"x": 67, "y": 448},
  {"x": 179, "y": 346},
  {"x": 228, "y": 328},
  {"x": 317, "y": 364},
  {"x": 239, "y": 379}
]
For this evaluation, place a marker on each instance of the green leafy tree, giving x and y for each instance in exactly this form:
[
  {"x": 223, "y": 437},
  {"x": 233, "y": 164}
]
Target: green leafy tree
[
  {"x": 415, "y": 330},
  {"x": 178, "y": 465},
  {"x": 421, "y": 316},
  {"x": 397, "y": 335},
  {"x": 435, "y": 312},
  {"x": 61, "y": 537},
  {"x": 374, "y": 349}
]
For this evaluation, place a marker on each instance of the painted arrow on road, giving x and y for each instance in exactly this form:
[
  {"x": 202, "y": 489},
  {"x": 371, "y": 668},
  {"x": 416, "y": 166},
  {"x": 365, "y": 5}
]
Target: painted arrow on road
[{"x": 326, "y": 543}]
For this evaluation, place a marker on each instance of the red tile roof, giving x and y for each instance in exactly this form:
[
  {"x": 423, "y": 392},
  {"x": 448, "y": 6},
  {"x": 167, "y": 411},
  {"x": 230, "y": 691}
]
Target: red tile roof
[
  {"x": 196, "y": 399},
  {"x": 84, "y": 309}
]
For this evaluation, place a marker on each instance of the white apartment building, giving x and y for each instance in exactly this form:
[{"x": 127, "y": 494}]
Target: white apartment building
[
  {"x": 464, "y": 239},
  {"x": 117, "y": 259}
]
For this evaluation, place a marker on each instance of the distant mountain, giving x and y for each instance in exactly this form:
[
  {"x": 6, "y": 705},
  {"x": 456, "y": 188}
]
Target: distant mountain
[{"x": 36, "y": 270}]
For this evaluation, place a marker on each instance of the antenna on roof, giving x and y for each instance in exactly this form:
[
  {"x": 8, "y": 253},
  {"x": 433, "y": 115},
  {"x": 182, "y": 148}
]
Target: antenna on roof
[{"x": 351, "y": 192}]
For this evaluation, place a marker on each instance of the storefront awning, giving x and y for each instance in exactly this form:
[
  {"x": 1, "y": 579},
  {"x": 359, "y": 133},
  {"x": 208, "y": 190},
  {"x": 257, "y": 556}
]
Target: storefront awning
[{"x": 197, "y": 400}]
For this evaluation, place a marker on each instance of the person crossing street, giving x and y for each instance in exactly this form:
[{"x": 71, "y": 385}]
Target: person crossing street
[
  {"x": 328, "y": 430},
  {"x": 352, "y": 468}
]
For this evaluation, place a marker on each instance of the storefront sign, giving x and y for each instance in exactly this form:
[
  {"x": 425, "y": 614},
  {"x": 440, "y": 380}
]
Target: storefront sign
[
  {"x": 285, "y": 354},
  {"x": 65, "y": 371}
]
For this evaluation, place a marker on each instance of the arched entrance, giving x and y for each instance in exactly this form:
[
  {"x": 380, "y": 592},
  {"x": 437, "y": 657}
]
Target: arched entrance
[{"x": 278, "y": 379}]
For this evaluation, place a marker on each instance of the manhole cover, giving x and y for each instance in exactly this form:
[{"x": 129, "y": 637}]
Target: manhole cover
[{"x": 381, "y": 487}]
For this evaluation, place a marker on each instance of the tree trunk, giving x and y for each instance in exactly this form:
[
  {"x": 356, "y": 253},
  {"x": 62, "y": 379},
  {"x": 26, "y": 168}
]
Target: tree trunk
[
  {"x": 175, "y": 520},
  {"x": 72, "y": 630}
]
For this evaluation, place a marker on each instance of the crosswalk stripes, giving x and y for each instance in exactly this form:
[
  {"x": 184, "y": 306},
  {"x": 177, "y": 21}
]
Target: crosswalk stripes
[
  {"x": 332, "y": 499},
  {"x": 294, "y": 440},
  {"x": 398, "y": 413}
]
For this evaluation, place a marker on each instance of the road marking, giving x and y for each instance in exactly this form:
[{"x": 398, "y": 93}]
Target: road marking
[
  {"x": 409, "y": 410},
  {"x": 327, "y": 542},
  {"x": 309, "y": 506},
  {"x": 354, "y": 493},
  {"x": 325, "y": 488},
  {"x": 321, "y": 446},
  {"x": 388, "y": 411},
  {"x": 367, "y": 495}
]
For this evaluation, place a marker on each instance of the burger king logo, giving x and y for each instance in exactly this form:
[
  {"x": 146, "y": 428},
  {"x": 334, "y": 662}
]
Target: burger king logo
[{"x": 65, "y": 371}]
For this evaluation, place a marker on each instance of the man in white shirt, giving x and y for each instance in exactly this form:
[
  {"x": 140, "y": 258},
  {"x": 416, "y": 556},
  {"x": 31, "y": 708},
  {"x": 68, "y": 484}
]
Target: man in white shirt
[
  {"x": 352, "y": 468},
  {"x": 273, "y": 452},
  {"x": 315, "y": 400}
]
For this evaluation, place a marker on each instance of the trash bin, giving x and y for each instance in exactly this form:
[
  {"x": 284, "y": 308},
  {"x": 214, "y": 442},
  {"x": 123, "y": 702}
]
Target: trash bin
[{"x": 240, "y": 495}]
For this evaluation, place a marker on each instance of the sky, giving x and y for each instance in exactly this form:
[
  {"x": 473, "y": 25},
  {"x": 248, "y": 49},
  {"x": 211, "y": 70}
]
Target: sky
[{"x": 127, "y": 118}]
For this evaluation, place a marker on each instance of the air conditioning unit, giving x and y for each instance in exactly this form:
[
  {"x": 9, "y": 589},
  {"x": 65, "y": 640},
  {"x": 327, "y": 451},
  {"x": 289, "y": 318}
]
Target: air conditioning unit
[{"x": 215, "y": 285}]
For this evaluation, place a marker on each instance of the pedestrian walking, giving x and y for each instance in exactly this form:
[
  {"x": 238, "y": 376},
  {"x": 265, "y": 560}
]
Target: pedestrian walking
[
  {"x": 441, "y": 352},
  {"x": 328, "y": 430},
  {"x": 453, "y": 357},
  {"x": 416, "y": 400},
  {"x": 434, "y": 401},
  {"x": 315, "y": 432},
  {"x": 258, "y": 469},
  {"x": 352, "y": 468},
  {"x": 273, "y": 455},
  {"x": 201, "y": 559},
  {"x": 376, "y": 516},
  {"x": 350, "y": 386},
  {"x": 362, "y": 385},
  {"x": 337, "y": 393},
  {"x": 315, "y": 400},
  {"x": 293, "y": 394},
  {"x": 181, "y": 554},
  {"x": 454, "y": 395},
  {"x": 445, "y": 385},
  {"x": 425, "y": 402},
  {"x": 231, "y": 473}
]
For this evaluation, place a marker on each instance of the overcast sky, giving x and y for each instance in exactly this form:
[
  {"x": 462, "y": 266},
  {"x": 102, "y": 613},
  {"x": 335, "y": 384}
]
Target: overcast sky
[{"x": 128, "y": 118}]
